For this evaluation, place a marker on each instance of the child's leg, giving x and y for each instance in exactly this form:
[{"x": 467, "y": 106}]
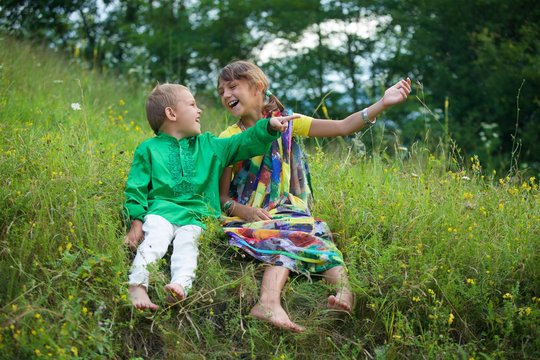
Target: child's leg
[
  {"x": 183, "y": 260},
  {"x": 157, "y": 236},
  {"x": 269, "y": 306},
  {"x": 343, "y": 300}
]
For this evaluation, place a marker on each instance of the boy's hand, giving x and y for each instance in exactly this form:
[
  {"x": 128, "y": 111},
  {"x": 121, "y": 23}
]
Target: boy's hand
[
  {"x": 135, "y": 234},
  {"x": 397, "y": 93},
  {"x": 280, "y": 123}
]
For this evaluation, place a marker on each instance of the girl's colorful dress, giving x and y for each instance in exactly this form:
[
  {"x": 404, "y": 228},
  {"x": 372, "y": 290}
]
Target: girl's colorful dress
[{"x": 280, "y": 183}]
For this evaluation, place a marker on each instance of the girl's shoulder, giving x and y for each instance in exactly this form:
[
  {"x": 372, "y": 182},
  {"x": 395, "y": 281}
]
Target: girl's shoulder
[
  {"x": 230, "y": 131},
  {"x": 301, "y": 125}
]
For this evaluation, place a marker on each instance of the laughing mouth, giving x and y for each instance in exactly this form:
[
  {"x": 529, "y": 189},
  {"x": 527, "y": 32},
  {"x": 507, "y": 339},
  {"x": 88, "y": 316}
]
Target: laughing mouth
[{"x": 233, "y": 103}]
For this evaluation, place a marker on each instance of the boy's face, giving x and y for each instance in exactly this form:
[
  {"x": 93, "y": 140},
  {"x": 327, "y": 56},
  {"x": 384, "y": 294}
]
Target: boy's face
[
  {"x": 186, "y": 114},
  {"x": 239, "y": 98}
]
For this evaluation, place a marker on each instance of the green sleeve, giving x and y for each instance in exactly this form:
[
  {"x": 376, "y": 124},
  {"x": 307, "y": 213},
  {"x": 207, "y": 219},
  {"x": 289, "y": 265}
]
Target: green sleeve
[
  {"x": 136, "y": 192},
  {"x": 253, "y": 142}
]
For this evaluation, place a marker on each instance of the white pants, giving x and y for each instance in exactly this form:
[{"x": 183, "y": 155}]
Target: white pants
[{"x": 158, "y": 234}]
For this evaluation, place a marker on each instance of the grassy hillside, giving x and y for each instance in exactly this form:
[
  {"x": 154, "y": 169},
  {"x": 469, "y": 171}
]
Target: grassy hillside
[{"x": 443, "y": 258}]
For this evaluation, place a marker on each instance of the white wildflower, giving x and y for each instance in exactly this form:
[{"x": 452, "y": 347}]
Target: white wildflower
[{"x": 76, "y": 106}]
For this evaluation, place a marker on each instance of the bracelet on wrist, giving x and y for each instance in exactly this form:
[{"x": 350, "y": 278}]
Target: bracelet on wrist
[
  {"x": 228, "y": 206},
  {"x": 365, "y": 117}
]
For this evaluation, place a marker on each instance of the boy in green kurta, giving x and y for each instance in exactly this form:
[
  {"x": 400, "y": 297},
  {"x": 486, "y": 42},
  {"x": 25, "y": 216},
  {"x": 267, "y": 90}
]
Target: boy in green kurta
[{"x": 173, "y": 185}]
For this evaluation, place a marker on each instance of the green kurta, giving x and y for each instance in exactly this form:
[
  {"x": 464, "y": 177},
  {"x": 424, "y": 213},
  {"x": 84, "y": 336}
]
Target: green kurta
[{"x": 179, "y": 179}]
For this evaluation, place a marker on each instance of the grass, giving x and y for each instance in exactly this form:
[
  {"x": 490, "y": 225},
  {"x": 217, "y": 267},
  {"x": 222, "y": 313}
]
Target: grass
[{"x": 443, "y": 257}]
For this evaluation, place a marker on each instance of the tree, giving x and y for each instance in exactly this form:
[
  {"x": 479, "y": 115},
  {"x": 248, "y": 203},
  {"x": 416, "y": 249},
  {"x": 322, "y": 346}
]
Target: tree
[{"x": 476, "y": 53}]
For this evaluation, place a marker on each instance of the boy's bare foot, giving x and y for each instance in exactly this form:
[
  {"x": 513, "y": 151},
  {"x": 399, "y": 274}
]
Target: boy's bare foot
[
  {"x": 139, "y": 298},
  {"x": 176, "y": 293},
  {"x": 276, "y": 316},
  {"x": 342, "y": 301}
]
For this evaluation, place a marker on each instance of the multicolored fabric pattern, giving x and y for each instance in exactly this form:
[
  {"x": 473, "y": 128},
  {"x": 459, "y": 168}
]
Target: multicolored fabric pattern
[
  {"x": 280, "y": 182},
  {"x": 291, "y": 239}
]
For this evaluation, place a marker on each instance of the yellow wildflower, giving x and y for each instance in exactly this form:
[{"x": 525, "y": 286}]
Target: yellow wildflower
[
  {"x": 525, "y": 311},
  {"x": 468, "y": 196},
  {"x": 325, "y": 111},
  {"x": 450, "y": 319}
]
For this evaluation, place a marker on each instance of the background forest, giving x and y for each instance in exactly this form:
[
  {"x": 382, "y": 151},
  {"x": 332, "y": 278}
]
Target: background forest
[{"x": 480, "y": 58}]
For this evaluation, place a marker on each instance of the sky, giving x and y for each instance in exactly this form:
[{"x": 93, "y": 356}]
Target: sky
[{"x": 334, "y": 31}]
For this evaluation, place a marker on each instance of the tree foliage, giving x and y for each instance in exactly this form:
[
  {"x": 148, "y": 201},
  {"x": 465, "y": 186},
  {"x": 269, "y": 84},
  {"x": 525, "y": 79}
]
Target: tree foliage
[{"x": 478, "y": 55}]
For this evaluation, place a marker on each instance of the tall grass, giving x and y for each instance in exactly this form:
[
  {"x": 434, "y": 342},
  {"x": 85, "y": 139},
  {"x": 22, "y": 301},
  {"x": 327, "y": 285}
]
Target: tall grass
[{"x": 443, "y": 258}]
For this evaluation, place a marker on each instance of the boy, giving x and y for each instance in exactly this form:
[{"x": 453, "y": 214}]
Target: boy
[{"x": 173, "y": 185}]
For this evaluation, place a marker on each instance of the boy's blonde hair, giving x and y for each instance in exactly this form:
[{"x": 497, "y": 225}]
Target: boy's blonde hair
[
  {"x": 254, "y": 75},
  {"x": 161, "y": 97}
]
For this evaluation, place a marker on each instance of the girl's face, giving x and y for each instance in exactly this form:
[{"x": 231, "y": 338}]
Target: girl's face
[{"x": 241, "y": 99}]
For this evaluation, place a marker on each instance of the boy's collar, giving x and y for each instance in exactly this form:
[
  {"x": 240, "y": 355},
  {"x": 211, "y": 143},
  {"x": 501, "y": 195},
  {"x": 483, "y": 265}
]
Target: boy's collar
[{"x": 162, "y": 134}]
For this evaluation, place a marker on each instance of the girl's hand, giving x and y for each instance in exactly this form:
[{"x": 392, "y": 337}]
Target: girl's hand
[
  {"x": 397, "y": 93},
  {"x": 252, "y": 214},
  {"x": 135, "y": 235},
  {"x": 280, "y": 123}
]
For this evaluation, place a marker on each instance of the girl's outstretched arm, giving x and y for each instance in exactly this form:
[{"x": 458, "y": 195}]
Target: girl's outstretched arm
[{"x": 354, "y": 122}]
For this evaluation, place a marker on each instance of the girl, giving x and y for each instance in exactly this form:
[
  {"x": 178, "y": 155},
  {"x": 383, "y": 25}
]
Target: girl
[{"x": 267, "y": 198}]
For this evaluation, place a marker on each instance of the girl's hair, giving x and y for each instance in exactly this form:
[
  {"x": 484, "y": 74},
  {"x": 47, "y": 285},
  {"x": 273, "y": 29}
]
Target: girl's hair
[
  {"x": 254, "y": 75},
  {"x": 161, "y": 97}
]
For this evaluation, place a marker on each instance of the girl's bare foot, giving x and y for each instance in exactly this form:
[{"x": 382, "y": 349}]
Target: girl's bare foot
[
  {"x": 342, "y": 301},
  {"x": 139, "y": 298},
  {"x": 276, "y": 316},
  {"x": 176, "y": 293}
]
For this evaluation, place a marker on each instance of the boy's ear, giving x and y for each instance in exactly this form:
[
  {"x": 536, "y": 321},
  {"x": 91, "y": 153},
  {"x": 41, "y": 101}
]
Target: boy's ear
[{"x": 170, "y": 114}]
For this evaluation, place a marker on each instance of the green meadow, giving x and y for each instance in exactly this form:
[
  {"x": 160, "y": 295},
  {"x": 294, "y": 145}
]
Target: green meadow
[{"x": 443, "y": 255}]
